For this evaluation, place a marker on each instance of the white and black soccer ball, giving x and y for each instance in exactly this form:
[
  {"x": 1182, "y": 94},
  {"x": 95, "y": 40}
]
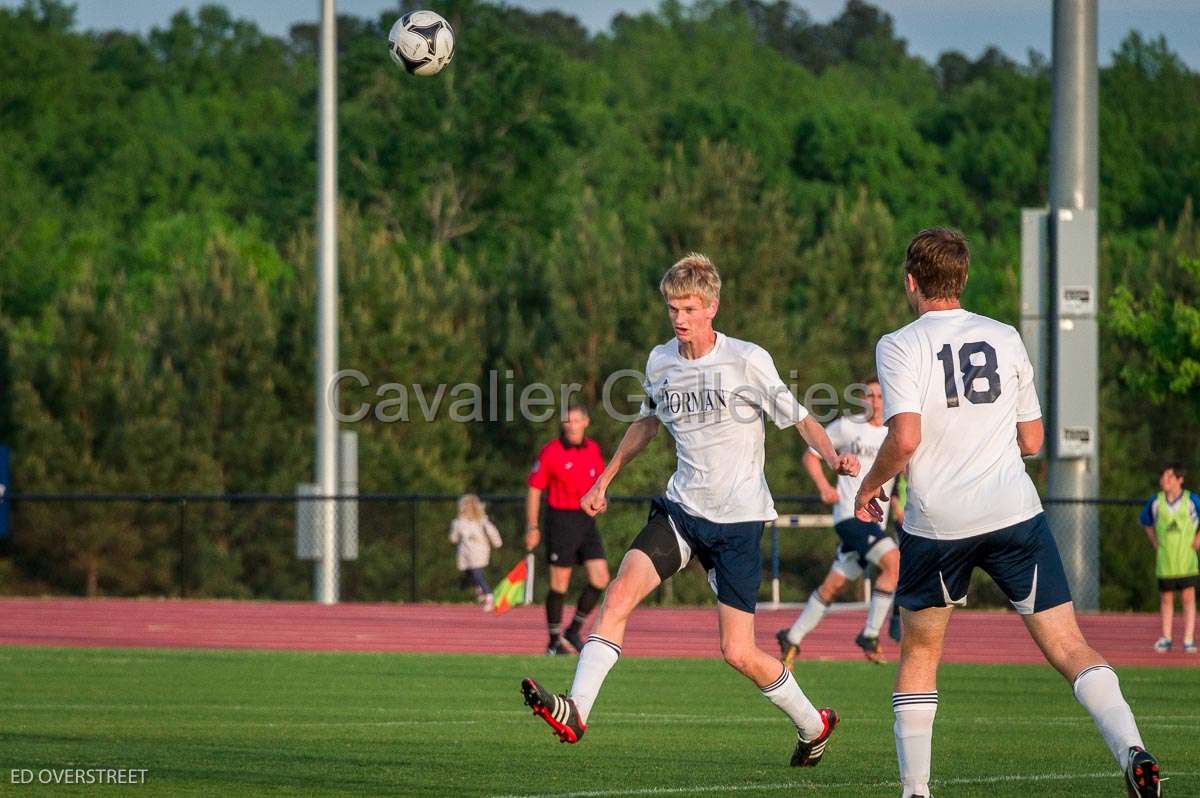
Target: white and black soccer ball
[{"x": 422, "y": 42}]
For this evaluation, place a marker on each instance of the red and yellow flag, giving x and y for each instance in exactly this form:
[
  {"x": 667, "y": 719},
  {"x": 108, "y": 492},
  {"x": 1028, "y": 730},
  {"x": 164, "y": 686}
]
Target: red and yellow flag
[{"x": 511, "y": 591}]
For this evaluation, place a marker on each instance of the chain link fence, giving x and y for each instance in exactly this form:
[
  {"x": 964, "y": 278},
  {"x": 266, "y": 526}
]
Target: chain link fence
[
  {"x": 247, "y": 547},
  {"x": 1126, "y": 578}
]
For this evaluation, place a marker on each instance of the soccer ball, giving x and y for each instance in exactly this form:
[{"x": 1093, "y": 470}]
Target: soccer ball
[{"x": 422, "y": 42}]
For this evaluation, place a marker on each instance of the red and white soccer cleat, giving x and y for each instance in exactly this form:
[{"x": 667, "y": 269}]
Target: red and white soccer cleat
[
  {"x": 558, "y": 711},
  {"x": 808, "y": 753}
]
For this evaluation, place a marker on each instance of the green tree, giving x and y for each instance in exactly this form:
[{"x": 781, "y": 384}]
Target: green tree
[
  {"x": 1150, "y": 146},
  {"x": 85, "y": 401},
  {"x": 838, "y": 321},
  {"x": 1150, "y": 368},
  {"x": 412, "y": 316},
  {"x": 1153, "y": 321}
]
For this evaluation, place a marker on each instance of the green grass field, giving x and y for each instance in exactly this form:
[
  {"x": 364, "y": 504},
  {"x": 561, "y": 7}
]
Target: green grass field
[{"x": 239, "y": 723}]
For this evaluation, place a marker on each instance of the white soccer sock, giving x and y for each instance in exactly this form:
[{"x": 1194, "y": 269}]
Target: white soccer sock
[
  {"x": 877, "y": 612},
  {"x": 1099, "y": 691},
  {"x": 914, "y": 739},
  {"x": 595, "y": 661},
  {"x": 812, "y": 614},
  {"x": 786, "y": 694}
]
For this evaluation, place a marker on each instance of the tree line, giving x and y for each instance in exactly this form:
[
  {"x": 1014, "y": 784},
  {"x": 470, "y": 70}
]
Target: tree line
[{"x": 513, "y": 214}]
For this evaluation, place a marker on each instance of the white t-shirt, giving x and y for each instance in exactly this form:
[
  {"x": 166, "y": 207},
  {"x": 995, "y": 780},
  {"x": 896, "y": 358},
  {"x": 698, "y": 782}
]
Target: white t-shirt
[
  {"x": 854, "y": 435},
  {"x": 713, "y": 407},
  {"x": 475, "y": 540},
  {"x": 970, "y": 379}
]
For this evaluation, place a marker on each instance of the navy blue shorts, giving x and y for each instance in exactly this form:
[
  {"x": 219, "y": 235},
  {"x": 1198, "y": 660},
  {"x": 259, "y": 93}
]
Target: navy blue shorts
[
  {"x": 1022, "y": 559},
  {"x": 730, "y": 553},
  {"x": 862, "y": 543}
]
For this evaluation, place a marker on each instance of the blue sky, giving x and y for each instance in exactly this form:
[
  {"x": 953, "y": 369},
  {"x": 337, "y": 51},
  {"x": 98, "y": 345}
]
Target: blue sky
[{"x": 930, "y": 26}]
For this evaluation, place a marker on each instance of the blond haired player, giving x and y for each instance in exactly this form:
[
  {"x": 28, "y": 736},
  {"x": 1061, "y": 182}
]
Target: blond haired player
[{"x": 712, "y": 393}]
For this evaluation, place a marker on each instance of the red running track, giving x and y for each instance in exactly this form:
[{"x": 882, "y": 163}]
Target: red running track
[{"x": 974, "y": 636}]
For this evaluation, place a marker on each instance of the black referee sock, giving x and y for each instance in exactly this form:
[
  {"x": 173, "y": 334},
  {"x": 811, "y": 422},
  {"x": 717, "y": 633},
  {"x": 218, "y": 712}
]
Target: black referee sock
[
  {"x": 588, "y": 599},
  {"x": 554, "y": 607}
]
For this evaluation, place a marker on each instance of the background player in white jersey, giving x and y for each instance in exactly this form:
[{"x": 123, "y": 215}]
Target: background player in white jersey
[
  {"x": 863, "y": 543},
  {"x": 961, "y": 410},
  {"x": 712, "y": 393}
]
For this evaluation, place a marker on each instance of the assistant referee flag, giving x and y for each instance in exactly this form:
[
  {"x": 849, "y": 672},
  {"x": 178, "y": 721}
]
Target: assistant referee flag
[{"x": 511, "y": 591}]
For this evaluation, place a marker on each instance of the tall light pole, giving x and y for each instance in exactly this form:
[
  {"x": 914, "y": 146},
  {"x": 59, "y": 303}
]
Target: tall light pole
[
  {"x": 1060, "y": 249},
  {"x": 325, "y": 582}
]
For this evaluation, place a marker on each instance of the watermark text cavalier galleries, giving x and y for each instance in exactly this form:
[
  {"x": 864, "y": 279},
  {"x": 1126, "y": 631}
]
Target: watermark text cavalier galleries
[
  {"x": 79, "y": 776},
  {"x": 538, "y": 402}
]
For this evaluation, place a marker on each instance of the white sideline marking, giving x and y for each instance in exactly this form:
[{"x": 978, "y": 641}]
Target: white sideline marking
[
  {"x": 506, "y": 717},
  {"x": 324, "y": 723},
  {"x": 805, "y": 785},
  {"x": 432, "y": 716}
]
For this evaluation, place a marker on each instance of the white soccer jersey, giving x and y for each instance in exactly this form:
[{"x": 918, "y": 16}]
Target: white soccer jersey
[
  {"x": 713, "y": 407},
  {"x": 970, "y": 379},
  {"x": 854, "y": 435}
]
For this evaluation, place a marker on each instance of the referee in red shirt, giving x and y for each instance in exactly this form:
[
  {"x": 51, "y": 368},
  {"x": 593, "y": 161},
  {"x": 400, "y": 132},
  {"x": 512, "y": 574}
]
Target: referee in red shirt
[{"x": 567, "y": 466}]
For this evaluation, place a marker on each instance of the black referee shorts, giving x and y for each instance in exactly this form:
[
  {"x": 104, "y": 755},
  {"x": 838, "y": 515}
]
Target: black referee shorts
[{"x": 571, "y": 538}]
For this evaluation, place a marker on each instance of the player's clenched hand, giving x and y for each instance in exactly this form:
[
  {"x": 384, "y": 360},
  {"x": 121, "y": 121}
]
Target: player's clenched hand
[
  {"x": 594, "y": 502},
  {"x": 532, "y": 537},
  {"x": 829, "y": 494},
  {"x": 847, "y": 465},
  {"x": 867, "y": 506}
]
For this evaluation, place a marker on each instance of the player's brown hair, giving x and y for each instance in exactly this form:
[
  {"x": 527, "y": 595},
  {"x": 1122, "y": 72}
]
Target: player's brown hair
[
  {"x": 1177, "y": 469},
  {"x": 693, "y": 275},
  {"x": 938, "y": 259}
]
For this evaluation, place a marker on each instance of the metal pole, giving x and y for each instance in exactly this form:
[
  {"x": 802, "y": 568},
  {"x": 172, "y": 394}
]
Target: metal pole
[
  {"x": 529, "y": 564},
  {"x": 1074, "y": 123},
  {"x": 326, "y": 576},
  {"x": 183, "y": 548},
  {"x": 1074, "y": 166},
  {"x": 412, "y": 542}
]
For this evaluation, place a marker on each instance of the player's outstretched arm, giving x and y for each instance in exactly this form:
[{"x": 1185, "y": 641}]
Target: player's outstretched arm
[
  {"x": 903, "y": 438},
  {"x": 816, "y": 437},
  {"x": 639, "y": 434}
]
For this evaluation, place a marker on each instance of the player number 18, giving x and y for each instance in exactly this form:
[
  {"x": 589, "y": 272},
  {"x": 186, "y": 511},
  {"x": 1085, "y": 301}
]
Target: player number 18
[{"x": 971, "y": 372}]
